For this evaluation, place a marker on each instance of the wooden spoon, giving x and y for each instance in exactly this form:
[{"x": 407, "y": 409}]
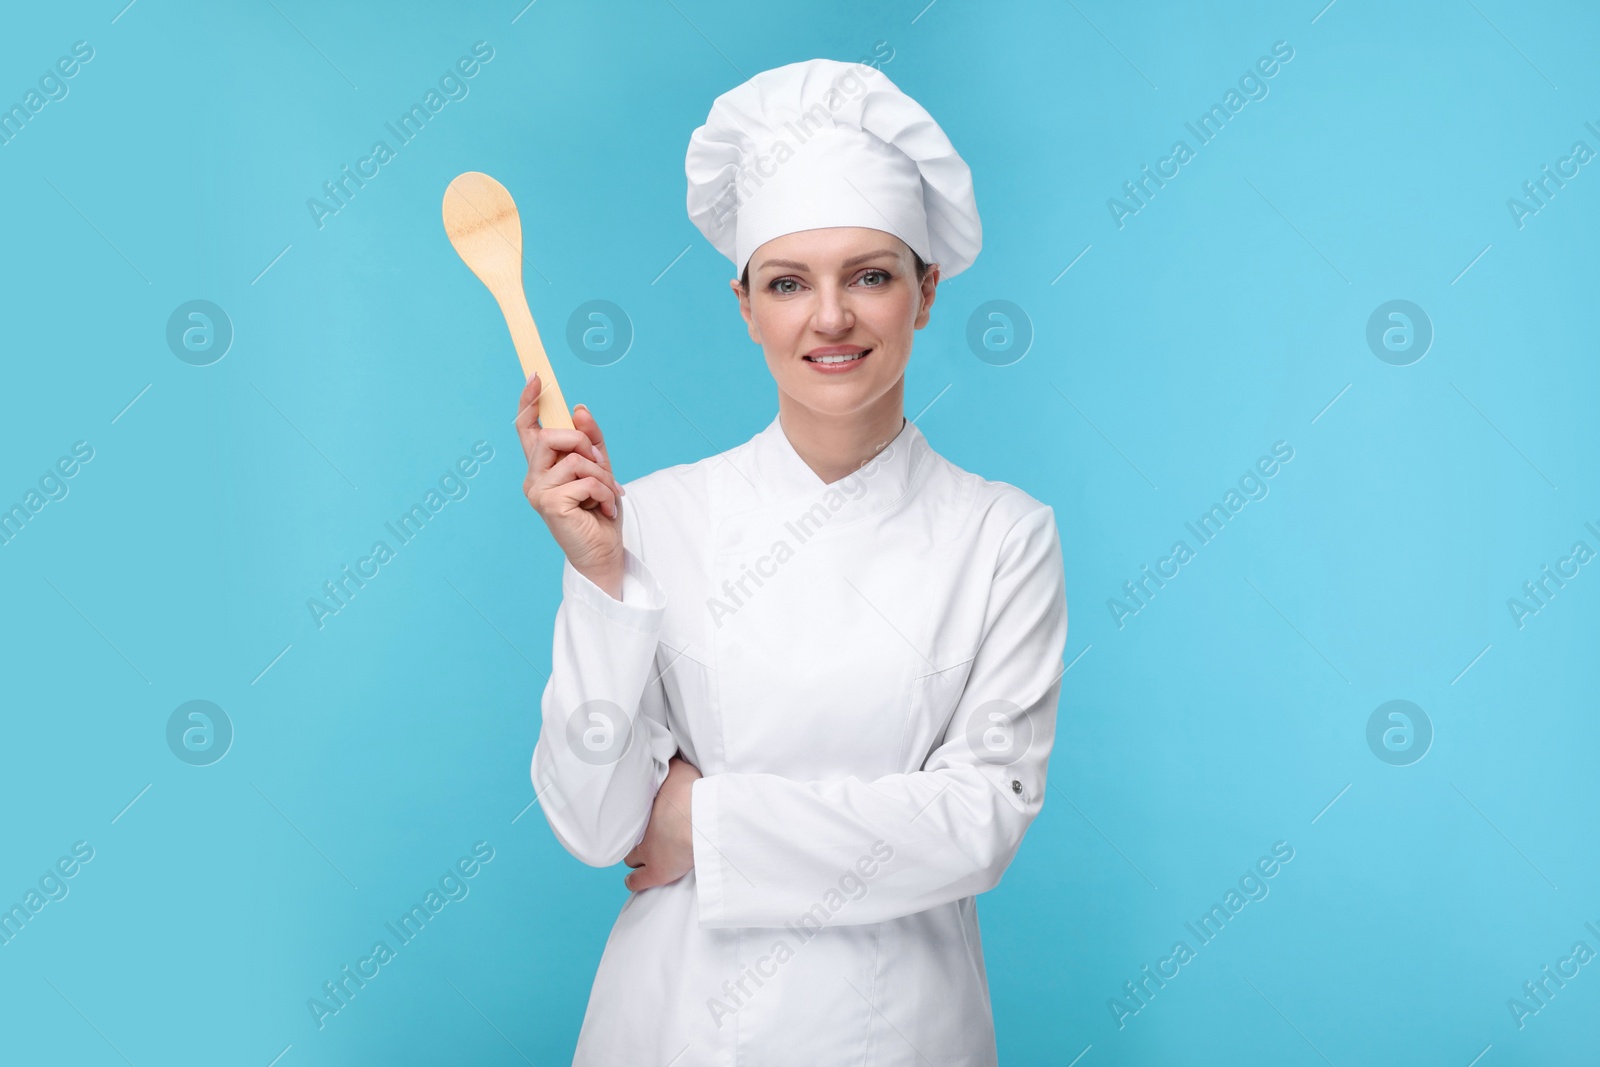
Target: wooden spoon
[{"x": 482, "y": 223}]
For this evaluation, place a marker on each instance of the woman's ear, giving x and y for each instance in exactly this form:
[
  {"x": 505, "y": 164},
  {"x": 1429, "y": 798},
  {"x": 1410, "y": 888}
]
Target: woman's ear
[{"x": 929, "y": 289}]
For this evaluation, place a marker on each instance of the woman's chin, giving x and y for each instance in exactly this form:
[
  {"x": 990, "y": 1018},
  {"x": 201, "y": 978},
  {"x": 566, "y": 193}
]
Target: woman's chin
[{"x": 837, "y": 401}]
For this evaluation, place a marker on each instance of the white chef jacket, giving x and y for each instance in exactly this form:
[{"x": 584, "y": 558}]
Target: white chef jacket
[{"x": 866, "y": 673}]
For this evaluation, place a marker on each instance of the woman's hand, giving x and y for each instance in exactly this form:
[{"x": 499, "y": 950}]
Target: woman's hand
[
  {"x": 667, "y": 851},
  {"x": 570, "y": 485}
]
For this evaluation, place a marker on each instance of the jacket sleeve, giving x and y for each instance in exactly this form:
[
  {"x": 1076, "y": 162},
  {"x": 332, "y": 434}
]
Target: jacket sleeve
[
  {"x": 603, "y": 740},
  {"x": 769, "y": 851}
]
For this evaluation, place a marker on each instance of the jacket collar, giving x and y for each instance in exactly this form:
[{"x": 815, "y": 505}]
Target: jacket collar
[{"x": 780, "y": 474}]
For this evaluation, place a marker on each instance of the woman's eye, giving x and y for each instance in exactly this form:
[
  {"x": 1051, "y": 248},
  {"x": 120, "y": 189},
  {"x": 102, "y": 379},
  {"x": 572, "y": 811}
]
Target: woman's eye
[
  {"x": 781, "y": 281},
  {"x": 878, "y": 273}
]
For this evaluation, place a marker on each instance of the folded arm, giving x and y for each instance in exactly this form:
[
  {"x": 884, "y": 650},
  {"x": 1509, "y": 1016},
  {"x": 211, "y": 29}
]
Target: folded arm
[
  {"x": 769, "y": 851},
  {"x": 603, "y": 740}
]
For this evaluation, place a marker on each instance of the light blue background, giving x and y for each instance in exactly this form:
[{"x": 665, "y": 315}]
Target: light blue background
[{"x": 1225, "y": 316}]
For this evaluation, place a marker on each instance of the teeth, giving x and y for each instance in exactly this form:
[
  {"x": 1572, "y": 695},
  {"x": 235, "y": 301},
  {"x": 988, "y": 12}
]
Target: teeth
[{"x": 836, "y": 359}]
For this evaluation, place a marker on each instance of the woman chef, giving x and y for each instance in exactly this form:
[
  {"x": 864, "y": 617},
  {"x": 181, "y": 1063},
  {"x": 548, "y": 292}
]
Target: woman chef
[{"x": 806, "y": 687}]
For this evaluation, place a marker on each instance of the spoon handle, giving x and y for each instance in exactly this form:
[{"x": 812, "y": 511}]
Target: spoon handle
[{"x": 553, "y": 413}]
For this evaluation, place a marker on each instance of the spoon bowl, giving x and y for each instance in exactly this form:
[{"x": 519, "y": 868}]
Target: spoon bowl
[{"x": 481, "y": 220}]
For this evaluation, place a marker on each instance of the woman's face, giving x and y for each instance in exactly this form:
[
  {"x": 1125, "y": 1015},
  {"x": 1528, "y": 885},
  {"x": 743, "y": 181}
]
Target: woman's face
[{"x": 836, "y": 291}]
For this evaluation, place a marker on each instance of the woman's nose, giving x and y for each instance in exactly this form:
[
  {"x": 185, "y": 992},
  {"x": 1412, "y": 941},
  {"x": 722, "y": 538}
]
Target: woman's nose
[{"x": 833, "y": 313}]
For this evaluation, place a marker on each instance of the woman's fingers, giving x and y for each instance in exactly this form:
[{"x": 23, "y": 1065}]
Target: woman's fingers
[
  {"x": 572, "y": 469},
  {"x": 574, "y": 464},
  {"x": 527, "y": 417},
  {"x": 648, "y": 877},
  {"x": 570, "y": 484},
  {"x": 563, "y": 453},
  {"x": 577, "y": 492},
  {"x": 544, "y": 447},
  {"x": 584, "y": 419},
  {"x": 551, "y": 443},
  {"x": 533, "y": 434},
  {"x": 635, "y": 878}
]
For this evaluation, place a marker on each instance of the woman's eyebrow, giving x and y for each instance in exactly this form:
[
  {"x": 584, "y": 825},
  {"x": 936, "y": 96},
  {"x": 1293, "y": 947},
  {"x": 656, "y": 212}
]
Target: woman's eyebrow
[{"x": 852, "y": 261}]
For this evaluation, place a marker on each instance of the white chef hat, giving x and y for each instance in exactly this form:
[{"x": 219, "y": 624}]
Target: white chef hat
[{"x": 824, "y": 143}]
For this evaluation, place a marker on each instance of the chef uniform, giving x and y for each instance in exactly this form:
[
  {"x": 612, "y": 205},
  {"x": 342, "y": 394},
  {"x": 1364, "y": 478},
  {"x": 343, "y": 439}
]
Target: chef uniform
[{"x": 865, "y": 671}]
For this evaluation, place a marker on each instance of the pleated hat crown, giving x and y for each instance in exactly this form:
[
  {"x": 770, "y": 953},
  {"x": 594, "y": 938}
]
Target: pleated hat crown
[{"x": 823, "y": 143}]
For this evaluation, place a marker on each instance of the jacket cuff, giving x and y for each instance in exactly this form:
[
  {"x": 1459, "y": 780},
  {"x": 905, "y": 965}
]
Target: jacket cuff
[
  {"x": 643, "y": 603},
  {"x": 708, "y": 862}
]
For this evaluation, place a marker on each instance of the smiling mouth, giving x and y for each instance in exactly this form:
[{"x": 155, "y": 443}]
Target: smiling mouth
[{"x": 848, "y": 358}]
